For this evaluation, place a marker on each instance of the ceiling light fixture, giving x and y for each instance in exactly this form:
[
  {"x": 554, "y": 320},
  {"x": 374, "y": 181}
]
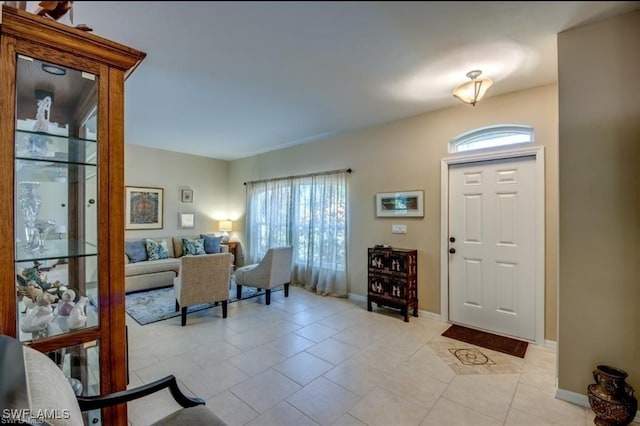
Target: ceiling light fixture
[
  {"x": 473, "y": 91},
  {"x": 52, "y": 69}
]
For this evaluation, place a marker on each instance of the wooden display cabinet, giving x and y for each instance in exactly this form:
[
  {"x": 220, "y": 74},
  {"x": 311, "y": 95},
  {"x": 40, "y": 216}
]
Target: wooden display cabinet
[
  {"x": 393, "y": 279},
  {"x": 62, "y": 199}
]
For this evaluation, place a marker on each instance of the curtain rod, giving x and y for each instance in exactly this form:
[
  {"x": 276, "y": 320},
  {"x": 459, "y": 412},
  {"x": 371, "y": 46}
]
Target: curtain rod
[{"x": 301, "y": 176}]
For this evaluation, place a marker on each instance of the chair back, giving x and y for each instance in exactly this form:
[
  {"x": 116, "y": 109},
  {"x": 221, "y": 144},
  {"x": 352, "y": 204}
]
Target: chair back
[
  {"x": 46, "y": 388},
  {"x": 280, "y": 262},
  {"x": 204, "y": 278}
]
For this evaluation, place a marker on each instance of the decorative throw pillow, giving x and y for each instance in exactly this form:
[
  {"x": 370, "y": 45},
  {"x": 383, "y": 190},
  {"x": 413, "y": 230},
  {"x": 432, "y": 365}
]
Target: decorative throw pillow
[
  {"x": 194, "y": 247},
  {"x": 211, "y": 243},
  {"x": 157, "y": 249},
  {"x": 136, "y": 250}
]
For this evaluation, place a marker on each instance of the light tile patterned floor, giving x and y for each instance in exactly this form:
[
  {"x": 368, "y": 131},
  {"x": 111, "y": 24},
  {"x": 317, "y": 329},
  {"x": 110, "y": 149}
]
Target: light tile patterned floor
[{"x": 313, "y": 360}]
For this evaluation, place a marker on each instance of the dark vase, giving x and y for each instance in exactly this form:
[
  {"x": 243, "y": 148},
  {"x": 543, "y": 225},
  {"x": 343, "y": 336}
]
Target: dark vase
[{"x": 611, "y": 397}]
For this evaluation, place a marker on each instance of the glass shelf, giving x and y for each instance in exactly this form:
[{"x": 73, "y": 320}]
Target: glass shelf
[
  {"x": 56, "y": 249},
  {"x": 45, "y": 146},
  {"x": 37, "y": 170}
]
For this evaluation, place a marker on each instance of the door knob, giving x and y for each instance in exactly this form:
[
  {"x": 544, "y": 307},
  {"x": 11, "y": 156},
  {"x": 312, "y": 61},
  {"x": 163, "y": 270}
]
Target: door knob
[
  {"x": 452, "y": 239},
  {"x": 452, "y": 250}
]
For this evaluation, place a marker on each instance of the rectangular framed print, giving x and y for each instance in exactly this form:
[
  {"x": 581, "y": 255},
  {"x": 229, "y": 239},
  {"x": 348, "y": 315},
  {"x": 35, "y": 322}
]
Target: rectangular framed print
[
  {"x": 186, "y": 220},
  {"x": 187, "y": 195},
  {"x": 143, "y": 207},
  {"x": 404, "y": 204}
]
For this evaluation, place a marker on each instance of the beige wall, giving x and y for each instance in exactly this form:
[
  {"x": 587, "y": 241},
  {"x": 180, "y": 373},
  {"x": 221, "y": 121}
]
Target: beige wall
[
  {"x": 207, "y": 177},
  {"x": 599, "y": 290},
  {"x": 405, "y": 155}
]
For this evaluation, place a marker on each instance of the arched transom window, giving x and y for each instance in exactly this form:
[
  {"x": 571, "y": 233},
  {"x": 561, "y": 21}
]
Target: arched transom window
[{"x": 492, "y": 136}]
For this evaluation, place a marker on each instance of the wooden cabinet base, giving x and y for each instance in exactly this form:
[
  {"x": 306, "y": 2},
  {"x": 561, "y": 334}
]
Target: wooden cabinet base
[{"x": 403, "y": 307}]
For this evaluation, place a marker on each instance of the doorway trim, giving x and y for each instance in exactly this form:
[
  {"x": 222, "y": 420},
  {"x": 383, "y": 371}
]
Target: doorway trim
[{"x": 538, "y": 152}]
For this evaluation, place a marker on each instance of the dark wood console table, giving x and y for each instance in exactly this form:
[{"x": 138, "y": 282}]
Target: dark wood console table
[{"x": 233, "y": 249}]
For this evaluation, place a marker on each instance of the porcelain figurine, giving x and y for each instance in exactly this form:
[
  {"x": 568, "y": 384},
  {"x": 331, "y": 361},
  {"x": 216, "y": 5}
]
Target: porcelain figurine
[
  {"x": 77, "y": 316},
  {"x": 66, "y": 304},
  {"x": 42, "y": 116},
  {"x": 38, "y": 143},
  {"x": 39, "y": 316},
  {"x": 29, "y": 295},
  {"x": 53, "y": 9},
  {"x": 76, "y": 385}
]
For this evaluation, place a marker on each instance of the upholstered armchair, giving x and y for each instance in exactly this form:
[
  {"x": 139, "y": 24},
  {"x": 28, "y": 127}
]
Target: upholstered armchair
[
  {"x": 272, "y": 271},
  {"x": 32, "y": 383},
  {"x": 203, "y": 279}
]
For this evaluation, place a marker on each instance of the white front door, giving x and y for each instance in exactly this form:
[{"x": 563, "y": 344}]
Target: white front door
[{"x": 492, "y": 246}]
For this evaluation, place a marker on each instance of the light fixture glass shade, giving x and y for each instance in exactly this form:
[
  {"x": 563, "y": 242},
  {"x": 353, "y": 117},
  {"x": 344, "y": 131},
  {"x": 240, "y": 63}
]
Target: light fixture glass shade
[
  {"x": 52, "y": 69},
  {"x": 473, "y": 91}
]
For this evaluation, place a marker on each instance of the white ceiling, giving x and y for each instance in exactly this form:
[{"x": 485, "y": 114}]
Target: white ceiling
[{"x": 232, "y": 79}]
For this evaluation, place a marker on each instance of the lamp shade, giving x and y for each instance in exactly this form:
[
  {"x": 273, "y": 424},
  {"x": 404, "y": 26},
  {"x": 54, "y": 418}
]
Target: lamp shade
[
  {"x": 473, "y": 91},
  {"x": 225, "y": 226}
]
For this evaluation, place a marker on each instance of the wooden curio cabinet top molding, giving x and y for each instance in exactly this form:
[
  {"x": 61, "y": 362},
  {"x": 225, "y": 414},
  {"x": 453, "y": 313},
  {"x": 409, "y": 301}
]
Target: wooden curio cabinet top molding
[{"x": 26, "y": 26}]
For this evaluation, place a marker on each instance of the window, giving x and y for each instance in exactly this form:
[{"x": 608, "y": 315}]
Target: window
[
  {"x": 309, "y": 213},
  {"x": 490, "y": 137}
]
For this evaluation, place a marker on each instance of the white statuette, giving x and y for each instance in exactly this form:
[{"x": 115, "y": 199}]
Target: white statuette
[{"x": 78, "y": 317}]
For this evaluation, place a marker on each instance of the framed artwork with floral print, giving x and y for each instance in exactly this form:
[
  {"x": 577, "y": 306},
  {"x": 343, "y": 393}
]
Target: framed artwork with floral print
[{"x": 143, "y": 207}]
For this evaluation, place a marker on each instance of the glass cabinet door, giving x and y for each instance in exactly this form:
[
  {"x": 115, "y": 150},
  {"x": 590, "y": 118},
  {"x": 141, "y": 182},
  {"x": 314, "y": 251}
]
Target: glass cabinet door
[
  {"x": 56, "y": 261},
  {"x": 56, "y": 215}
]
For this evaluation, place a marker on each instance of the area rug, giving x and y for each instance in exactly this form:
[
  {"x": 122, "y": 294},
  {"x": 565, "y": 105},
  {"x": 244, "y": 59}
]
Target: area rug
[
  {"x": 159, "y": 304},
  {"x": 487, "y": 340}
]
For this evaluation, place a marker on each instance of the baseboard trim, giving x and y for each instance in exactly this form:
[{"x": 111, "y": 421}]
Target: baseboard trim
[
  {"x": 551, "y": 344},
  {"x": 356, "y": 297},
  {"x": 581, "y": 400},
  {"x": 430, "y": 315},
  {"x": 426, "y": 314},
  {"x": 573, "y": 397}
]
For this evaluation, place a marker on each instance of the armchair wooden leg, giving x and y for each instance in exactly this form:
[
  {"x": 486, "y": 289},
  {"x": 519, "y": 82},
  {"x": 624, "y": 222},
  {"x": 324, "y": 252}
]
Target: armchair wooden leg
[
  {"x": 268, "y": 296},
  {"x": 238, "y": 291},
  {"x": 224, "y": 309},
  {"x": 177, "y": 306},
  {"x": 286, "y": 290},
  {"x": 184, "y": 316}
]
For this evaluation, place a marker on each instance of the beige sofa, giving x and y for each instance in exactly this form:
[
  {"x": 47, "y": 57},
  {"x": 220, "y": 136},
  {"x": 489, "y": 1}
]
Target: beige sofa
[{"x": 150, "y": 274}]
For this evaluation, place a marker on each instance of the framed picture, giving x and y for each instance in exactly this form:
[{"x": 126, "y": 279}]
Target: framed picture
[
  {"x": 187, "y": 195},
  {"x": 394, "y": 204},
  {"x": 143, "y": 207},
  {"x": 186, "y": 220}
]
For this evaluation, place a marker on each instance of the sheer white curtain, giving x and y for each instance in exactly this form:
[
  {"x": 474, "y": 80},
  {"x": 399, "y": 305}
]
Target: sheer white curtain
[
  {"x": 268, "y": 217},
  {"x": 310, "y": 214}
]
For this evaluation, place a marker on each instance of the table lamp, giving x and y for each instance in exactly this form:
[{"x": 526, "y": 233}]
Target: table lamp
[{"x": 225, "y": 226}]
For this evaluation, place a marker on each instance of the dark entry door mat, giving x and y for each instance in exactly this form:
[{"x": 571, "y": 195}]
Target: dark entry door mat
[{"x": 494, "y": 342}]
